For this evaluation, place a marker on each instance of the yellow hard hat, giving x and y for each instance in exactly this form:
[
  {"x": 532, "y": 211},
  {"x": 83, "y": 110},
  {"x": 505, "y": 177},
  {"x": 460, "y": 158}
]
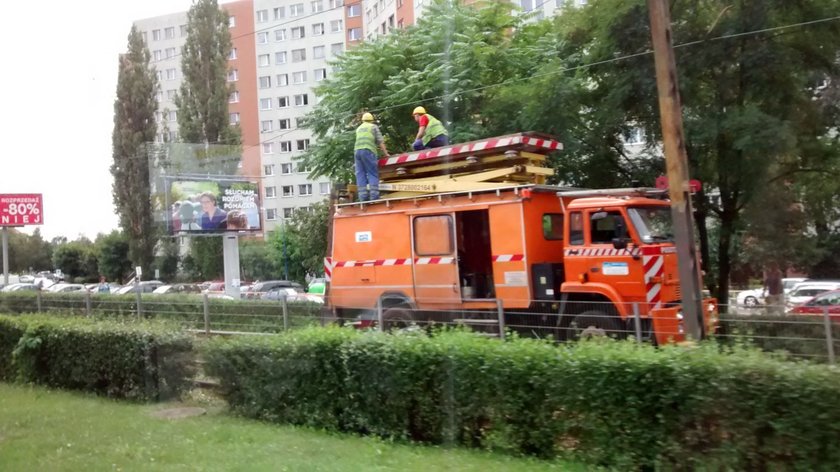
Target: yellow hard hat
[
  {"x": 419, "y": 111},
  {"x": 367, "y": 117}
]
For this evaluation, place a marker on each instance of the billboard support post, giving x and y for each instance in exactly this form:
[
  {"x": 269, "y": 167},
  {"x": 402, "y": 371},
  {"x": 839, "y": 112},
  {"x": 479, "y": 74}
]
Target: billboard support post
[
  {"x": 5, "y": 256},
  {"x": 230, "y": 248}
]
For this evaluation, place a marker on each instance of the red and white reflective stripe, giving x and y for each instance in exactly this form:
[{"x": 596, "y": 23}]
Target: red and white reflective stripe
[
  {"x": 487, "y": 144},
  {"x": 654, "y": 266},
  {"x": 434, "y": 260},
  {"x": 611, "y": 251},
  {"x": 328, "y": 268},
  {"x": 508, "y": 257}
]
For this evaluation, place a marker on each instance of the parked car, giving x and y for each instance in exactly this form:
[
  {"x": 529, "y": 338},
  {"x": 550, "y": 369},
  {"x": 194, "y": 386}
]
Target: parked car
[
  {"x": 317, "y": 286},
  {"x": 66, "y": 288},
  {"x": 20, "y": 287},
  {"x": 177, "y": 289},
  {"x": 805, "y": 291},
  {"x": 292, "y": 294},
  {"x": 816, "y": 306},
  {"x": 755, "y": 297},
  {"x": 146, "y": 286},
  {"x": 26, "y": 279},
  {"x": 259, "y": 289}
]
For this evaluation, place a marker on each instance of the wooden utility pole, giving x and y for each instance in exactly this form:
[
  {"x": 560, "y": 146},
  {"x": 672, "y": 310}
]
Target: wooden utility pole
[{"x": 670, "y": 111}]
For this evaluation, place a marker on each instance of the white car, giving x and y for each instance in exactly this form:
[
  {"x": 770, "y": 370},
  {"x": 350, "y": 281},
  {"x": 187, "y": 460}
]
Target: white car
[
  {"x": 805, "y": 291},
  {"x": 755, "y": 297}
]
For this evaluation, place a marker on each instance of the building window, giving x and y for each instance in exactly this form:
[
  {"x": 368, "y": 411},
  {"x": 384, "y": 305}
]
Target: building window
[
  {"x": 262, "y": 37},
  {"x": 286, "y": 146},
  {"x": 233, "y": 75},
  {"x": 301, "y": 100},
  {"x": 280, "y": 34},
  {"x": 262, "y": 16},
  {"x": 336, "y": 26},
  {"x": 302, "y": 144},
  {"x": 298, "y": 55},
  {"x": 183, "y": 30},
  {"x": 169, "y": 33},
  {"x": 268, "y": 148},
  {"x": 157, "y": 55},
  {"x": 279, "y": 13},
  {"x": 232, "y": 54},
  {"x": 296, "y": 10},
  {"x": 280, "y": 57},
  {"x": 527, "y": 5},
  {"x": 282, "y": 102},
  {"x": 317, "y": 5},
  {"x": 324, "y": 188},
  {"x": 300, "y": 122},
  {"x": 320, "y": 74},
  {"x": 354, "y": 10},
  {"x": 336, "y": 3},
  {"x": 286, "y": 169},
  {"x": 270, "y": 192},
  {"x": 337, "y": 49},
  {"x": 170, "y": 94},
  {"x": 270, "y": 214},
  {"x": 171, "y": 73},
  {"x": 265, "y": 104},
  {"x": 305, "y": 189},
  {"x": 390, "y": 22},
  {"x": 355, "y": 34},
  {"x": 299, "y": 77},
  {"x": 285, "y": 123},
  {"x": 170, "y": 53},
  {"x": 298, "y": 32},
  {"x": 265, "y": 82},
  {"x": 282, "y": 80},
  {"x": 234, "y": 97},
  {"x": 264, "y": 60},
  {"x": 234, "y": 118},
  {"x": 173, "y": 115},
  {"x": 156, "y": 35},
  {"x": 317, "y": 29},
  {"x": 266, "y": 125},
  {"x": 269, "y": 169},
  {"x": 231, "y": 22},
  {"x": 288, "y": 212},
  {"x": 288, "y": 190},
  {"x": 318, "y": 52},
  {"x": 145, "y": 37}
]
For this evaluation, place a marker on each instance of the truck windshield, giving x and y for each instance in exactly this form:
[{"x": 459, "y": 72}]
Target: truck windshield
[{"x": 653, "y": 223}]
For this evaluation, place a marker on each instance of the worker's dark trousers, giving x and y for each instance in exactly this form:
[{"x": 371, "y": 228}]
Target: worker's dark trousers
[
  {"x": 437, "y": 141},
  {"x": 367, "y": 174}
]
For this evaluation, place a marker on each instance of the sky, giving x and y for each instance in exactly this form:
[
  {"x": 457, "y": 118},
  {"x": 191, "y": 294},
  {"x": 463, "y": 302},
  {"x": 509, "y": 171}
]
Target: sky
[{"x": 60, "y": 80}]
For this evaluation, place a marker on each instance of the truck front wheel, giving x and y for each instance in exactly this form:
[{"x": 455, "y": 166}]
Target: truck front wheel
[
  {"x": 595, "y": 323},
  {"x": 397, "y": 317}
]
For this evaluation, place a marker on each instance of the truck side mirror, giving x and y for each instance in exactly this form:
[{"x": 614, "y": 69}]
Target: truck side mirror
[
  {"x": 621, "y": 240},
  {"x": 619, "y": 243}
]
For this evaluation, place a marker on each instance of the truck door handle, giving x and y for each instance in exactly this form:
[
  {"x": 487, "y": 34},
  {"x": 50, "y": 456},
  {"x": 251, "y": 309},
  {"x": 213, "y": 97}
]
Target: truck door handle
[
  {"x": 365, "y": 280},
  {"x": 573, "y": 252}
]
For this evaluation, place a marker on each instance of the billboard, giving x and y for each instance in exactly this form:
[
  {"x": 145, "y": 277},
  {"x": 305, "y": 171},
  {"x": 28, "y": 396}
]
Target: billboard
[
  {"x": 200, "y": 205},
  {"x": 19, "y": 209}
]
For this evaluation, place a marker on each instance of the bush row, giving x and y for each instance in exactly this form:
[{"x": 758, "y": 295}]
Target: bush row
[
  {"x": 617, "y": 404},
  {"x": 226, "y": 315},
  {"x": 141, "y": 361}
]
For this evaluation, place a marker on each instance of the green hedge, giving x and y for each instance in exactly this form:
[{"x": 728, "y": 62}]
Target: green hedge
[
  {"x": 616, "y": 404},
  {"x": 142, "y": 361},
  {"x": 225, "y": 315}
]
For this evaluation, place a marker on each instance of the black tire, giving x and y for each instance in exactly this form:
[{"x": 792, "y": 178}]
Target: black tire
[
  {"x": 397, "y": 317},
  {"x": 595, "y": 323}
]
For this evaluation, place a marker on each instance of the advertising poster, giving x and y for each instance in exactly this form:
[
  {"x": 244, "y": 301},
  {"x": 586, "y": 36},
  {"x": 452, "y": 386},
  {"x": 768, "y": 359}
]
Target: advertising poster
[{"x": 213, "y": 206}]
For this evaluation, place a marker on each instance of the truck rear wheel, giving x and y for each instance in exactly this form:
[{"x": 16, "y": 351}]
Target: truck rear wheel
[
  {"x": 396, "y": 317},
  {"x": 595, "y": 323}
]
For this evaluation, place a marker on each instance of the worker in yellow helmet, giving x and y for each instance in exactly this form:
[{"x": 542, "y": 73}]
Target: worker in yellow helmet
[
  {"x": 368, "y": 138},
  {"x": 431, "y": 133}
]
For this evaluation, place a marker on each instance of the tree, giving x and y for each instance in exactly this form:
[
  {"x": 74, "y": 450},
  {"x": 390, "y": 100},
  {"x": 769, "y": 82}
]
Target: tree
[
  {"x": 112, "y": 255},
  {"x": 205, "y": 260},
  {"x": 134, "y": 127},
  {"x": 29, "y": 253},
  {"x": 203, "y": 98},
  {"x": 259, "y": 260},
  {"x": 308, "y": 230},
  {"x": 440, "y": 64},
  {"x": 77, "y": 260}
]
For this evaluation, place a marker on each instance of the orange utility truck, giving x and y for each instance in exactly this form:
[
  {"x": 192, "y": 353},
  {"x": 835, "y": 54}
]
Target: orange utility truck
[{"x": 465, "y": 231}]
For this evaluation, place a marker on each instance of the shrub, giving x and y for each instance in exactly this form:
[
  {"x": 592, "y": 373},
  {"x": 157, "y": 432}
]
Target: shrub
[
  {"x": 140, "y": 361},
  {"x": 610, "y": 403},
  {"x": 797, "y": 335}
]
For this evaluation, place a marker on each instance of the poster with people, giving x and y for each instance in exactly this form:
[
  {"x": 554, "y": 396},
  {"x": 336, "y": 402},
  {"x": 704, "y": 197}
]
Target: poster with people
[{"x": 213, "y": 206}]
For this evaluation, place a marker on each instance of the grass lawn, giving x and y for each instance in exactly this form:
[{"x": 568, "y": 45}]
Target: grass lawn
[{"x": 43, "y": 429}]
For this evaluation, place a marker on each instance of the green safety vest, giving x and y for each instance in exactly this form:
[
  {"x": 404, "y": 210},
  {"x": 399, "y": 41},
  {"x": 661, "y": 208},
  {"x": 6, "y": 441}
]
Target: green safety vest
[
  {"x": 433, "y": 129},
  {"x": 364, "y": 137}
]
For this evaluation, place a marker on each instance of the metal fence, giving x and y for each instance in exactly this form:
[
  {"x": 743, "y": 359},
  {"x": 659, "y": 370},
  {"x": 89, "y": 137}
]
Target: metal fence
[{"x": 813, "y": 337}]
